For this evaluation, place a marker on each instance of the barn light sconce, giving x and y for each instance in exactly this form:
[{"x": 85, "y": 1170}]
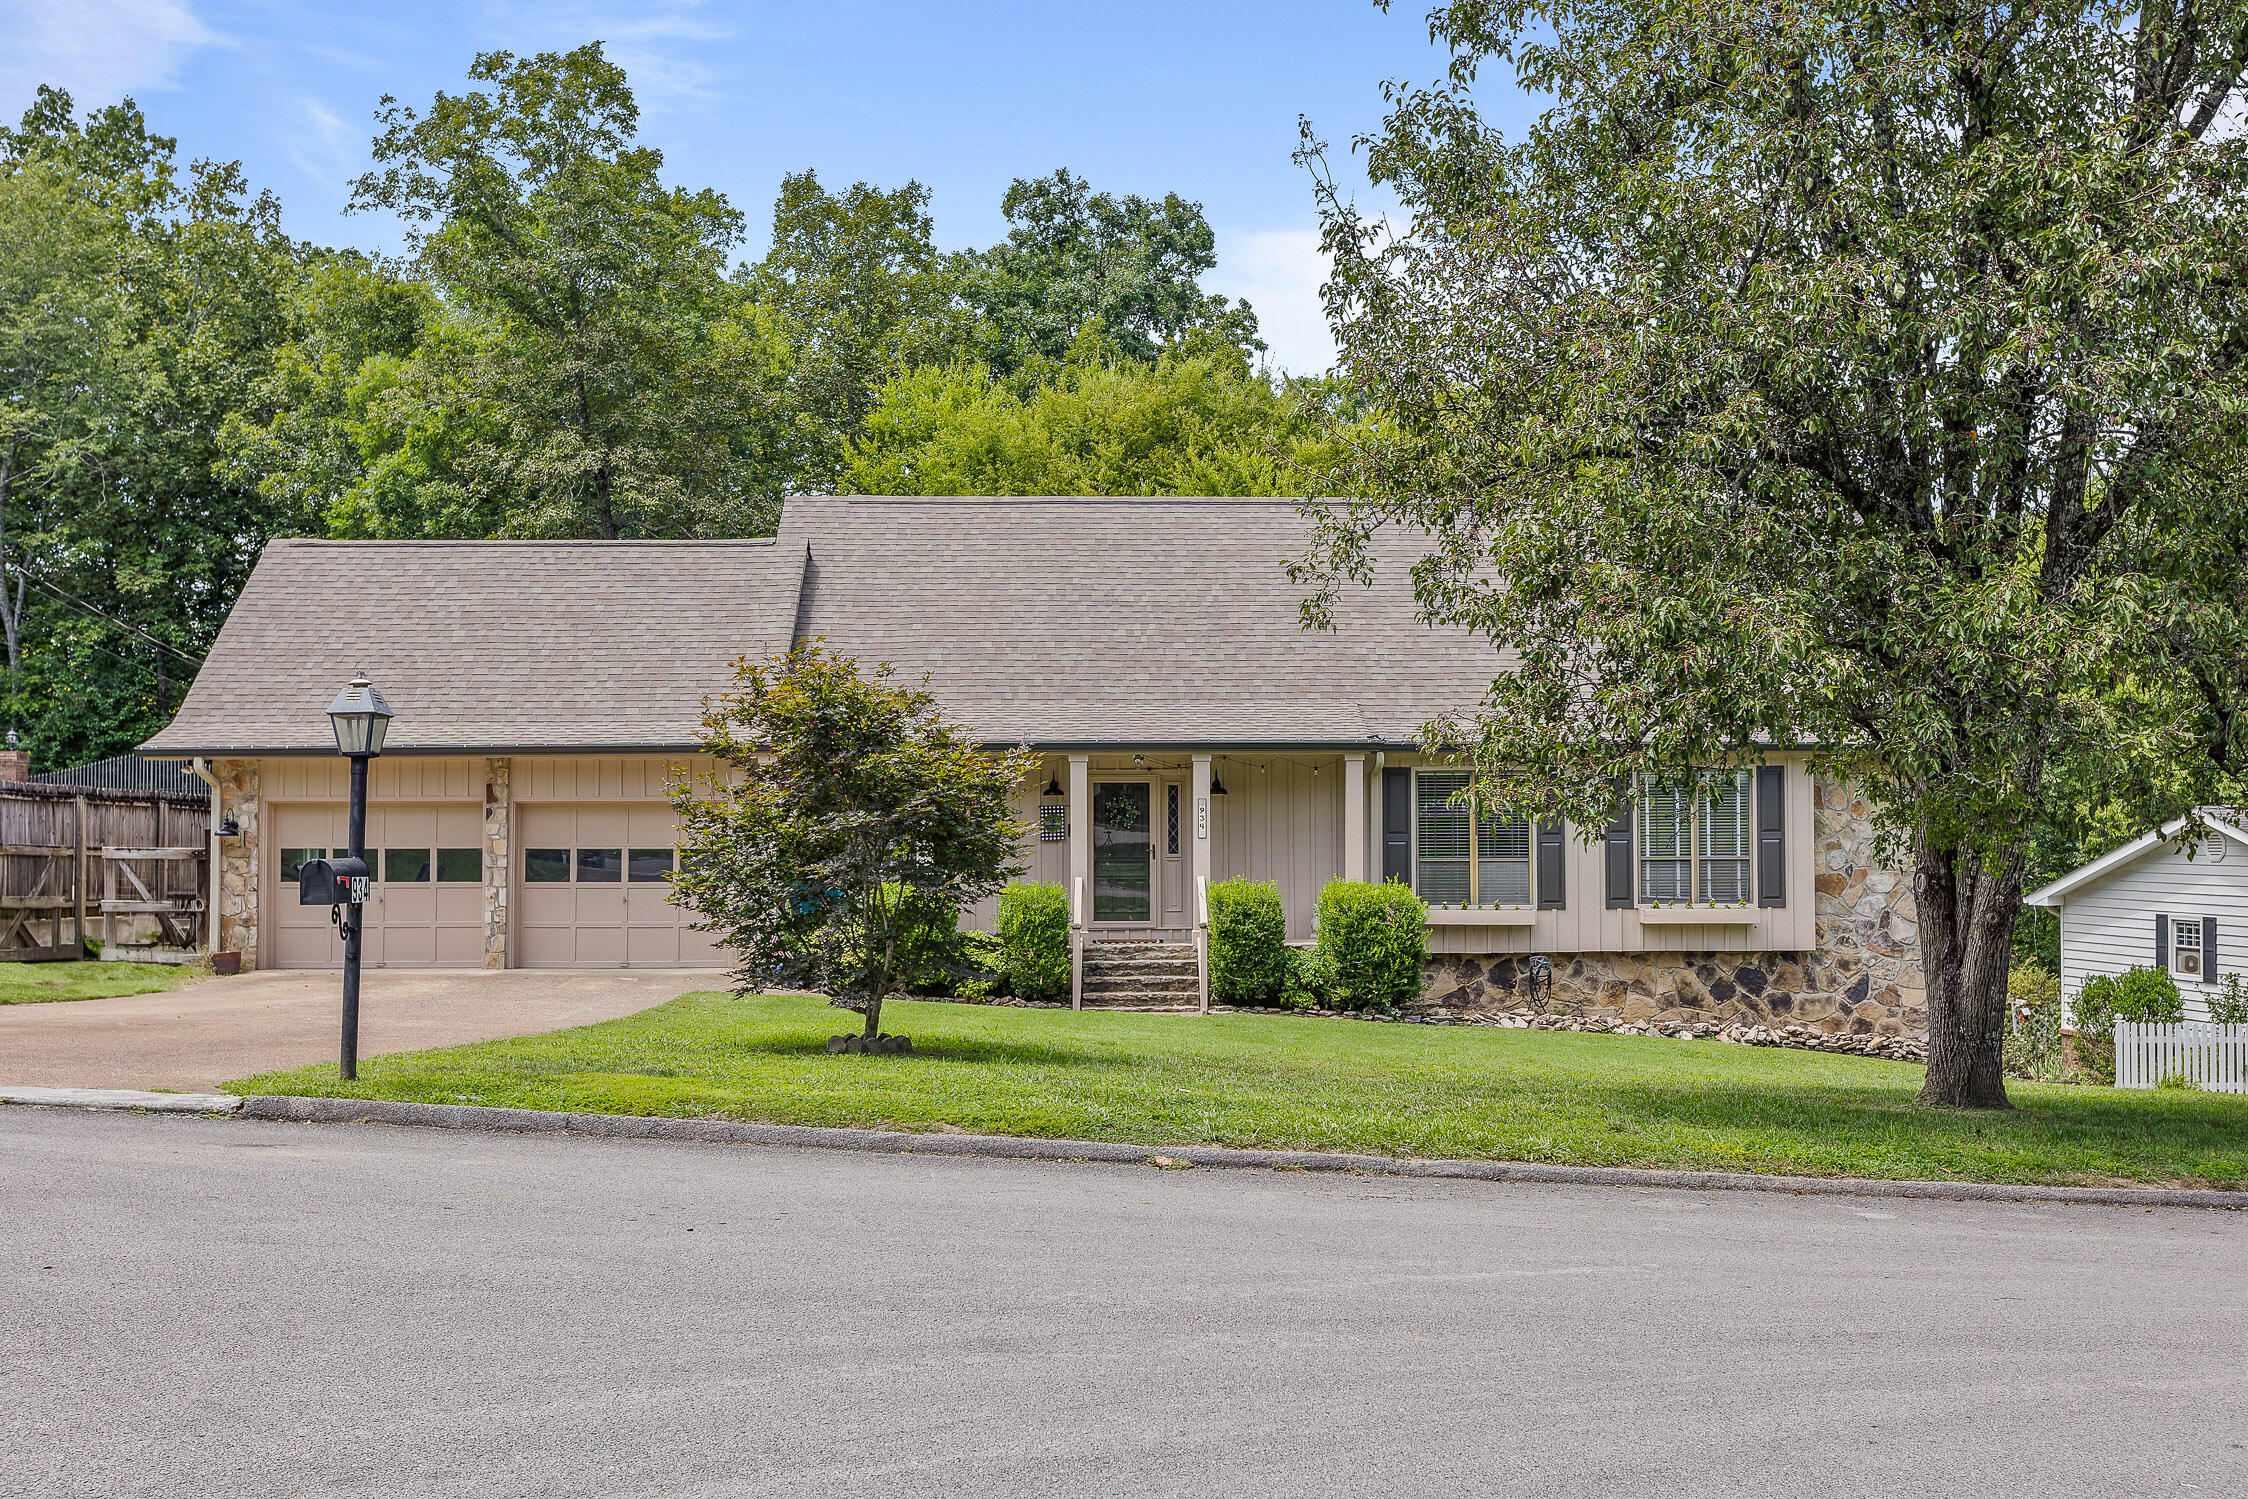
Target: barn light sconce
[
  {"x": 1053, "y": 786},
  {"x": 229, "y": 828},
  {"x": 1217, "y": 787}
]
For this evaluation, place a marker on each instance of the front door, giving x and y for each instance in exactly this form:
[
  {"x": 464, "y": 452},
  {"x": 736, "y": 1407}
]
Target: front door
[{"x": 1123, "y": 853}]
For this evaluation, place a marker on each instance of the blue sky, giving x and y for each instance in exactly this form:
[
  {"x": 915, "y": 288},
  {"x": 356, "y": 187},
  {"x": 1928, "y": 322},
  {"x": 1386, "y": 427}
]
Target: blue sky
[{"x": 1146, "y": 96}]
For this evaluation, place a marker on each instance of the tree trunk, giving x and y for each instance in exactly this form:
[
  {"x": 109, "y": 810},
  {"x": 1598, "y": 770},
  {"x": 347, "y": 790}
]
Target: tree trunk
[
  {"x": 1966, "y": 946},
  {"x": 874, "y": 1018}
]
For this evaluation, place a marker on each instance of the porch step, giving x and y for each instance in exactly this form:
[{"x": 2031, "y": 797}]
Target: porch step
[{"x": 1141, "y": 974}]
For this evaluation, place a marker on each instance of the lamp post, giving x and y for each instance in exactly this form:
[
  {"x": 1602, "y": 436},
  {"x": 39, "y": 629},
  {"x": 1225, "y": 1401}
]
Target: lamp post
[{"x": 360, "y": 716}]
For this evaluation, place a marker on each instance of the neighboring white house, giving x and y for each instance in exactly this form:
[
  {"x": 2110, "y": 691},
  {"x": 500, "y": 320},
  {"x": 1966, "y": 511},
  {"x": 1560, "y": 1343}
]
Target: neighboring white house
[{"x": 2162, "y": 900}]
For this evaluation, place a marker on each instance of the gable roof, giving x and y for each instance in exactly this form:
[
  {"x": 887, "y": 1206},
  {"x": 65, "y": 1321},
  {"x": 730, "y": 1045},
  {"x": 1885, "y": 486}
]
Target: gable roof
[
  {"x": 2218, "y": 820},
  {"x": 1064, "y": 622},
  {"x": 487, "y": 645},
  {"x": 1113, "y": 621}
]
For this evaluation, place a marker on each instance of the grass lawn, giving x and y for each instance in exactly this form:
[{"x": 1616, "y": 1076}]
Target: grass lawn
[
  {"x": 41, "y": 983},
  {"x": 1400, "y": 1090}
]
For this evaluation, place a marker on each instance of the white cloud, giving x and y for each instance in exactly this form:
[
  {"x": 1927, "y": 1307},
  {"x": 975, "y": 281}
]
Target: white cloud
[
  {"x": 662, "y": 45},
  {"x": 100, "y": 50},
  {"x": 325, "y": 148},
  {"x": 1279, "y": 271}
]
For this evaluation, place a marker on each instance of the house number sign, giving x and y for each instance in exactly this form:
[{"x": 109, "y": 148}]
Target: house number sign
[{"x": 1201, "y": 817}]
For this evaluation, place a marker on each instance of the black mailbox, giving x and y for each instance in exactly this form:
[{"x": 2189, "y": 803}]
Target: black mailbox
[{"x": 332, "y": 882}]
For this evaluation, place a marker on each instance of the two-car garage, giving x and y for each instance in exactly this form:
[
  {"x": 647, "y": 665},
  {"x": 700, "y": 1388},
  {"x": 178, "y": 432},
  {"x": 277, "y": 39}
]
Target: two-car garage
[{"x": 588, "y": 887}]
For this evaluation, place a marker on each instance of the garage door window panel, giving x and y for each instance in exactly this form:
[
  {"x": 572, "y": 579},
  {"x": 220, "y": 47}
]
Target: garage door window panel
[
  {"x": 651, "y": 865},
  {"x": 293, "y": 861},
  {"x": 460, "y": 866},
  {"x": 600, "y": 866},
  {"x": 546, "y": 866},
  {"x": 406, "y": 866}
]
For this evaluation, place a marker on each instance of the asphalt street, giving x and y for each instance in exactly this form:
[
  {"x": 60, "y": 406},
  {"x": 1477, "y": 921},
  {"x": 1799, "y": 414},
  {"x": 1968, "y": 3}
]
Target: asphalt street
[{"x": 218, "y": 1307}]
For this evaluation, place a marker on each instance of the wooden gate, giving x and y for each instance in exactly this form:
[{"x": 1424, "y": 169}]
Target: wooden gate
[{"x": 136, "y": 859}]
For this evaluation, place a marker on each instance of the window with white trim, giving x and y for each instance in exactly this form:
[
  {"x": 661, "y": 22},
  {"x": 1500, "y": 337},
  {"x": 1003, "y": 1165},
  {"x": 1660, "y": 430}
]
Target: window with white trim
[
  {"x": 1695, "y": 850},
  {"x": 1463, "y": 856},
  {"x": 2185, "y": 946}
]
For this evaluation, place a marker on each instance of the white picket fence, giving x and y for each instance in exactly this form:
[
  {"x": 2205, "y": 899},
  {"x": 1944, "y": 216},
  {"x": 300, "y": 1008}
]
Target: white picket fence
[{"x": 2213, "y": 1056}]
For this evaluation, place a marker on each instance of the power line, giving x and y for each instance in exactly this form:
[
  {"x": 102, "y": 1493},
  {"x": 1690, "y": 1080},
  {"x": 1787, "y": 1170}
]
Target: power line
[{"x": 162, "y": 645}]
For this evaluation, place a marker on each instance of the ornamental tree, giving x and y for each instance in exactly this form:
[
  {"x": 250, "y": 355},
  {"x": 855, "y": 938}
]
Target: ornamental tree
[
  {"x": 1859, "y": 375},
  {"x": 849, "y": 819}
]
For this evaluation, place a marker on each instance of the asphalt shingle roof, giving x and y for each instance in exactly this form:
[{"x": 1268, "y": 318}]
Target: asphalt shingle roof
[
  {"x": 1149, "y": 621},
  {"x": 487, "y": 645},
  {"x": 1057, "y": 621}
]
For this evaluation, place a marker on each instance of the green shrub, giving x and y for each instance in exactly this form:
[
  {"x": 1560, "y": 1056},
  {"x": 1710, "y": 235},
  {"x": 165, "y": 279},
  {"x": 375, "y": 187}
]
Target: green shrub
[
  {"x": 1248, "y": 942},
  {"x": 2229, "y": 1006},
  {"x": 2033, "y": 1027},
  {"x": 1034, "y": 940},
  {"x": 2179, "y": 1082},
  {"x": 1311, "y": 980},
  {"x": 1375, "y": 937},
  {"x": 2094, "y": 1043},
  {"x": 2149, "y": 996}
]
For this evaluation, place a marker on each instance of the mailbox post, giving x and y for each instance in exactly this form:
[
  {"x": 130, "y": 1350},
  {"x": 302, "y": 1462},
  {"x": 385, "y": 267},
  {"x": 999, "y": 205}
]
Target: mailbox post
[{"x": 361, "y": 716}]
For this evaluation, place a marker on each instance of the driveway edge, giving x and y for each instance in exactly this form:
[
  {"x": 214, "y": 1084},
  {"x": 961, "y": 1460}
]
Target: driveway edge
[{"x": 1013, "y": 1147}]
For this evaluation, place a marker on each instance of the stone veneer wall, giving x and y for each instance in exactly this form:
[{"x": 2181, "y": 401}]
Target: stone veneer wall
[
  {"x": 1864, "y": 977},
  {"x": 498, "y": 809},
  {"x": 238, "y": 860}
]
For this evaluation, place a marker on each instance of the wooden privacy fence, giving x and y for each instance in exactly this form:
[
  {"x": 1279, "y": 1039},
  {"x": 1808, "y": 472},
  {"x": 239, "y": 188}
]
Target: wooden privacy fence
[
  {"x": 136, "y": 860},
  {"x": 2214, "y": 1057}
]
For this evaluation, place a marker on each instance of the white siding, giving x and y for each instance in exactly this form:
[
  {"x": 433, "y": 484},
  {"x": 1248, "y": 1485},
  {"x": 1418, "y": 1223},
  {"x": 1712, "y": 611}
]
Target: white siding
[{"x": 2108, "y": 925}]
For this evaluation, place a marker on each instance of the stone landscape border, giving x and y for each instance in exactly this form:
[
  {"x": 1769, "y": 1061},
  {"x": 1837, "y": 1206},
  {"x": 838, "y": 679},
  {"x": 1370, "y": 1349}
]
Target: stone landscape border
[{"x": 1013, "y": 1147}]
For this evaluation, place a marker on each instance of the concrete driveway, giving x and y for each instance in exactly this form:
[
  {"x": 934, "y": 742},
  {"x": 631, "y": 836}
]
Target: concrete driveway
[{"x": 194, "y": 1039}]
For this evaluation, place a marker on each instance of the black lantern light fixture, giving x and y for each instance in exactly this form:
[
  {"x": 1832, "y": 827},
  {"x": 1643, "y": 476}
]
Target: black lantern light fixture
[
  {"x": 1053, "y": 786},
  {"x": 360, "y": 716}
]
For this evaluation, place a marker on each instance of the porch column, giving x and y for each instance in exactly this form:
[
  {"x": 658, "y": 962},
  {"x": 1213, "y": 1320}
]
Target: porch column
[
  {"x": 1081, "y": 833},
  {"x": 1354, "y": 817},
  {"x": 1202, "y": 816}
]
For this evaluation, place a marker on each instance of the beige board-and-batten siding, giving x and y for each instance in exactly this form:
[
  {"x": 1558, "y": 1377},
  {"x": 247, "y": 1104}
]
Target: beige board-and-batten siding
[
  {"x": 456, "y": 801},
  {"x": 1281, "y": 819},
  {"x": 2107, "y": 925}
]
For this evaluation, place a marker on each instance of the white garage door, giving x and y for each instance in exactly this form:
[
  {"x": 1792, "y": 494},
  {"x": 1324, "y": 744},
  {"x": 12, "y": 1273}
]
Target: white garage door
[
  {"x": 594, "y": 890},
  {"x": 427, "y": 905}
]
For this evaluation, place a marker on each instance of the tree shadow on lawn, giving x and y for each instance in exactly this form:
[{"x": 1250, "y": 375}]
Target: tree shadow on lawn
[
  {"x": 2205, "y": 1131},
  {"x": 952, "y": 1049}
]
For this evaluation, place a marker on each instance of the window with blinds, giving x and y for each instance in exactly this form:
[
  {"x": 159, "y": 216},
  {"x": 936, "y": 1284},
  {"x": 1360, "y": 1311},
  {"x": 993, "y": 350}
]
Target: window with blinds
[
  {"x": 1440, "y": 869},
  {"x": 1696, "y": 849},
  {"x": 1666, "y": 842},
  {"x": 1502, "y": 862}
]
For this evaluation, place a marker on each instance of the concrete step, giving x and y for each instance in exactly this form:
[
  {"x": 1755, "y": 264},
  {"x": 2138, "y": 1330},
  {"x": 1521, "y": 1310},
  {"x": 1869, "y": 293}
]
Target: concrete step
[
  {"x": 1137, "y": 999},
  {"x": 1143, "y": 983},
  {"x": 1140, "y": 967}
]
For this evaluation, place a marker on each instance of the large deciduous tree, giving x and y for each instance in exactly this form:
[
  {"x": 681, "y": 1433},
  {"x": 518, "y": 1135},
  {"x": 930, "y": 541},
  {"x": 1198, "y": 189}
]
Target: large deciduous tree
[
  {"x": 852, "y": 817},
  {"x": 1856, "y": 374},
  {"x": 599, "y": 339},
  {"x": 1075, "y": 260}
]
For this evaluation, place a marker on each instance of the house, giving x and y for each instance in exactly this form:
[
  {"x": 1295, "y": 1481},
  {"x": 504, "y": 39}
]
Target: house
[
  {"x": 1189, "y": 730},
  {"x": 2161, "y": 901}
]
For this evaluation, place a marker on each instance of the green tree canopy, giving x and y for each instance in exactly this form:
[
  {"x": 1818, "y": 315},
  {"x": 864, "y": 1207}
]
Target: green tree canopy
[
  {"x": 858, "y": 291},
  {"x": 1192, "y": 424},
  {"x": 1075, "y": 258},
  {"x": 177, "y": 286},
  {"x": 601, "y": 379},
  {"x": 1861, "y": 374}
]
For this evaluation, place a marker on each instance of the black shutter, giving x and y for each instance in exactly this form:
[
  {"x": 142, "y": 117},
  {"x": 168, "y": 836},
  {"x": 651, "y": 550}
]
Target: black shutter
[
  {"x": 1771, "y": 835},
  {"x": 2209, "y": 969},
  {"x": 1553, "y": 867},
  {"x": 1620, "y": 872},
  {"x": 2162, "y": 942},
  {"x": 1397, "y": 825}
]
